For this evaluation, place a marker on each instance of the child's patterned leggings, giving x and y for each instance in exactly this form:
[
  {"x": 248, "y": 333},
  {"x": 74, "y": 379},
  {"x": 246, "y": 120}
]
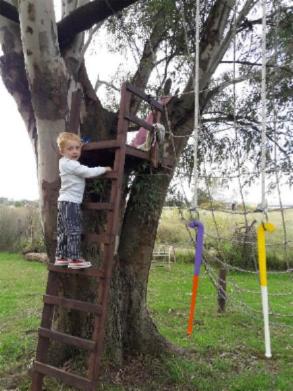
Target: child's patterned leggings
[{"x": 68, "y": 230}]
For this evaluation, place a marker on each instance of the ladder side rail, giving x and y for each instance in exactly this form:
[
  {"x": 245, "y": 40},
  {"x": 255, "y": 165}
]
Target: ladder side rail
[
  {"x": 113, "y": 220},
  {"x": 46, "y": 322}
]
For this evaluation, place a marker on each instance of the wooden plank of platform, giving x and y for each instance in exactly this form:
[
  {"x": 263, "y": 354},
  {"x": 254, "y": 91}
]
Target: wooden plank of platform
[
  {"x": 98, "y": 145},
  {"x": 138, "y": 153}
]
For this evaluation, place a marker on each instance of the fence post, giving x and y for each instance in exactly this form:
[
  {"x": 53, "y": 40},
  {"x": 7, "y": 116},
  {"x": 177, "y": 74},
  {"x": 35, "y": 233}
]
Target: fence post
[{"x": 222, "y": 294}]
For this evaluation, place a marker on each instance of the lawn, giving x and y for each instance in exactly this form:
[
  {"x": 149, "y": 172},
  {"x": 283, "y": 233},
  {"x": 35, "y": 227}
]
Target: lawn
[
  {"x": 229, "y": 348},
  {"x": 226, "y": 351},
  {"x": 21, "y": 287}
]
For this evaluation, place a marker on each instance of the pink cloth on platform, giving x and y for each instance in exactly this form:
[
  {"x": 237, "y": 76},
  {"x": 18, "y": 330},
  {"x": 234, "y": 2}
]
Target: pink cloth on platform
[{"x": 141, "y": 135}]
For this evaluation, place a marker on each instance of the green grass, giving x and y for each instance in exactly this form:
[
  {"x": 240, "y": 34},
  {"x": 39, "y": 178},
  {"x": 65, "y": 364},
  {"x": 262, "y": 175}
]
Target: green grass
[
  {"x": 229, "y": 347},
  {"x": 21, "y": 288},
  {"x": 227, "y": 350}
]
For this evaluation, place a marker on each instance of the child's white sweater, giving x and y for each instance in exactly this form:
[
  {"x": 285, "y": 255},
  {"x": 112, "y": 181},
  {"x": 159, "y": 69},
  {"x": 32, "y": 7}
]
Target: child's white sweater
[{"x": 73, "y": 175}]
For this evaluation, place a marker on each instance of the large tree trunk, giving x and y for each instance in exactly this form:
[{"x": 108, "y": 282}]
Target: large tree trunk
[
  {"x": 138, "y": 235},
  {"x": 48, "y": 81}
]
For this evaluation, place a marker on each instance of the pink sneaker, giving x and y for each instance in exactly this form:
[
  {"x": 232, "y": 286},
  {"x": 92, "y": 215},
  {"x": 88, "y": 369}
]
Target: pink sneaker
[
  {"x": 78, "y": 264},
  {"x": 61, "y": 262}
]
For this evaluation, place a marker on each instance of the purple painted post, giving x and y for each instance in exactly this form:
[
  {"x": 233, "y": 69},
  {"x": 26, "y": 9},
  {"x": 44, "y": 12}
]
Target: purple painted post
[{"x": 197, "y": 262}]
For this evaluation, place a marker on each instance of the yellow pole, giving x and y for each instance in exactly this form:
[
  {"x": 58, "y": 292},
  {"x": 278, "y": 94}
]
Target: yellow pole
[{"x": 261, "y": 246}]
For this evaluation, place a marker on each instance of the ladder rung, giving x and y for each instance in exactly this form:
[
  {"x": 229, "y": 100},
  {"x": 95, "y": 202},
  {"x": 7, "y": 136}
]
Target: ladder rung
[
  {"x": 98, "y": 205},
  {"x": 139, "y": 121},
  {"x": 98, "y": 145},
  {"x": 73, "y": 304},
  {"x": 145, "y": 97},
  {"x": 108, "y": 175},
  {"x": 69, "y": 378},
  {"x": 90, "y": 272},
  {"x": 98, "y": 238},
  {"x": 67, "y": 339}
]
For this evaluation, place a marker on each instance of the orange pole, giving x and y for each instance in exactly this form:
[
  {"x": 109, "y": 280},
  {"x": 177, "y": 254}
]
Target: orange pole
[{"x": 192, "y": 304}]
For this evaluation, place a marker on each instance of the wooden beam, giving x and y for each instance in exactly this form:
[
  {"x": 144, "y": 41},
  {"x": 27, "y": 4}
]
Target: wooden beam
[
  {"x": 67, "y": 339},
  {"x": 147, "y": 98},
  {"x": 140, "y": 122},
  {"x": 72, "y": 304},
  {"x": 68, "y": 378}
]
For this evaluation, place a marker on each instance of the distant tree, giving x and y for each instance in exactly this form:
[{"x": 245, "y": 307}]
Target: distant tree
[{"x": 3, "y": 200}]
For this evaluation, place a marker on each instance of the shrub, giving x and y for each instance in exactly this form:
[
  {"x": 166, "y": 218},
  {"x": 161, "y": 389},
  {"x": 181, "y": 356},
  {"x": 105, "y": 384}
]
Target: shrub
[
  {"x": 184, "y": 255},
  {"x": 170, "y": 233},
  {"x": 20, "y": 229}
]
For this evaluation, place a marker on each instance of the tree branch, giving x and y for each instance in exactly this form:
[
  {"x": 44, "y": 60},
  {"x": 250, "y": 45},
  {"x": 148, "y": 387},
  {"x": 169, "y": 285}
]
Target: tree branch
[
  {"x": 214, "y": 91},
  {"x": 255, "y": 63},
  {"x": 271, "y": 20},
  {"x": 9, "y": 11},
  {"x": 67, "y": 7},
  {"x": 147, "y": 61},
  {"x": 83, "y": 18},
  {"x": 245, "y": 122},
  {"x": 213, "y": 47},
  {"x": 106, "y": 83},
  {"x": 223, "y": 47},
  {"x": 90, "y": 37}
]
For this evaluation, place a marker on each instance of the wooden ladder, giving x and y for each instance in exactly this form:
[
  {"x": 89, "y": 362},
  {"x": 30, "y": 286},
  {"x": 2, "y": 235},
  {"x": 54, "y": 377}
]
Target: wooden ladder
[
  {"x": 51, "y": 298},
  {"x": 110, "y": 241}
]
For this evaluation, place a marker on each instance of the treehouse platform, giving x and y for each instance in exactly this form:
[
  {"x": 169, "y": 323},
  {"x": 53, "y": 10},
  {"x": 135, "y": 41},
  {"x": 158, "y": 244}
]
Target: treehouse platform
[{"x": 103, "y": 152}]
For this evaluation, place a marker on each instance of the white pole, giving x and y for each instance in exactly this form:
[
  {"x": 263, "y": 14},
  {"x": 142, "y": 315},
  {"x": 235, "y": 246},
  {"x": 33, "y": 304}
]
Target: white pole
[
  {"x": 263, "y": 108},
  {"x": 265, "y": 309},
  {"x": 196, "y": 106}
]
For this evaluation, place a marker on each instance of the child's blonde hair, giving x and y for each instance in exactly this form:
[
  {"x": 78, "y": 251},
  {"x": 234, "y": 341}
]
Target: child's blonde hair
[{"x": 64, "y": 137}]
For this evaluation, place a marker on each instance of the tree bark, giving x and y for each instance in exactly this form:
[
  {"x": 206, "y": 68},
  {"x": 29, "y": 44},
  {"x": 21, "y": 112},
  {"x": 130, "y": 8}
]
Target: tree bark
[
  {"x": 136, "y": 246},
  {"x": 48, "y": 81},
  {"x": 14, "y": 76}
]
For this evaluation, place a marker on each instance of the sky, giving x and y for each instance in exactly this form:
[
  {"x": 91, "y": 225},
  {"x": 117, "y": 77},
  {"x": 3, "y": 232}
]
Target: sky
[{"x": 18, "y": 176}]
